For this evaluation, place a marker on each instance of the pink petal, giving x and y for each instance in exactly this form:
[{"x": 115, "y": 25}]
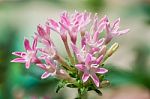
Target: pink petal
[
  {"x": 101, "y": 70},
  {"x": 64, "y": 26},
  {"x": 34, "y": 43},
  {"x": 104, "y": 19},
  {"x": 80, "y": 58},
  {"x": 123, "y": 32},
  {"x": 100, "y": 58},
  {"x": 19, "y": 60},
  {"x": 40, "y": 30},
  {"x": 51, "y": 63},
  {"x": 116, "y": 24},
  {"x": 95, "y": 79},
  {"x": 100, "y": 42},
  {"x": 54, "y": 24},
  {"x": 65, "y": 20},
  {"x": 74, "y": 48},
  {"x": 73, "y": 36},
  {"x": 81, "y": 67},
  {"x": 27, "y": 64},
  {"x": 45, "y": 75},
  {"x": 27, "y": 44},
  {"x": 42, "y": 66},
  {"x": 88, "y": 59},
  {"x": 99, "y": 30},
  {"x": 19, "y": 53},
  {"x": 85, "y": 77}
]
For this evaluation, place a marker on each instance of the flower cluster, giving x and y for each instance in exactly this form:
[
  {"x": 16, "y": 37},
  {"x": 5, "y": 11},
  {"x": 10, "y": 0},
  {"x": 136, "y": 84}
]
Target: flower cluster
[{"x": 85, "y": 60}]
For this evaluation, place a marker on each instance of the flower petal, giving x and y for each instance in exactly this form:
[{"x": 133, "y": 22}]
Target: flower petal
[
  {"x": 88, "y": 59},
  {"x": 40, "y": 30},
  {"x": 54, "y": 25},
  {"x": 42, "y": 66},
  {"x": 74, "y": 48},
  {"x": 34, "y": 43},
  {"x": 19, "y": 53},
  {"x": 45, "y": 75},
  {"x": 27, "y": 64},
  {"x": 101, "y": 70},
  {"x": 100, "y": 58},
  {"x": 19, "y": 60},
  {"x": 85, "y": 76},
  {"x": 27, "y": 44},
  {"x": 81, "y": 67},
  {"x": 95, "y": 79},
  {"x": 123, "y": 32}
]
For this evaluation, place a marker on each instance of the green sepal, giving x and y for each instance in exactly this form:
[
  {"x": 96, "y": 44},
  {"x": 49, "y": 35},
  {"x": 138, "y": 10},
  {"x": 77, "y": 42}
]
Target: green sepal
[
  {"x": 72, "y": 86},
  {"x": 60, "y": 85}
]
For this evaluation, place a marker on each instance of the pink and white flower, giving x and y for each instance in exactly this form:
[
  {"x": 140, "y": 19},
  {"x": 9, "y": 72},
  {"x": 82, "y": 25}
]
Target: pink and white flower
[
  {"x": 29, "y": 56},
  {"x": 114, "y": 30},
  {"x": 89, "y": 70}
]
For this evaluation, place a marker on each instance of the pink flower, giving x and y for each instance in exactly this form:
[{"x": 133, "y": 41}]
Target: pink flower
[
  {"x": 49, "y": 51},
  {"x": 28, "y": 56},
  {"x": 50, "y": 68},
  {"x": 114, "y": 30},
  {"x": 89, "y": 70},
  {"x": 43, "y": 34},
  {"x": 57, "y": 27},
  {"x": 98, "y": 27},
  {"x": 80, "y": 54},
  {"x": 94, "y": 45}
]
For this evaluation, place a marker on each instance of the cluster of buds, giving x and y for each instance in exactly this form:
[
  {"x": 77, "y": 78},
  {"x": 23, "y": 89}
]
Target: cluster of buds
[{"x": 83, "y": 68}]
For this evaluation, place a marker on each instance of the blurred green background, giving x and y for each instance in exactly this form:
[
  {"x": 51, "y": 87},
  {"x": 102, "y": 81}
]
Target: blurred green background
[{"x": 129, "y": 67}]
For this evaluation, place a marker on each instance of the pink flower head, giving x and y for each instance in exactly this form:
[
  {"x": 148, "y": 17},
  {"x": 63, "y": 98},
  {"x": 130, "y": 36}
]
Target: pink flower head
[
  {"x": 89, "y": 70},
  {"x": 28, "y": 56},
  {"x": 114, "y": 30},
  {"x": 86, "y": 58}
]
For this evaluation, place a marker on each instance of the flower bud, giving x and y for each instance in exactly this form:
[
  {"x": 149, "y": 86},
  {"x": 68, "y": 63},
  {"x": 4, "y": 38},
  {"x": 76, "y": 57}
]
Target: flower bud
[
  {"x": 111, "y": 50},
  {"x": 104, "y": 83}
]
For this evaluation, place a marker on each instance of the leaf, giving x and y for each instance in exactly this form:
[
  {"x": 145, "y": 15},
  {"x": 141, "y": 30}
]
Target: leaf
[
  {"x": 60, "y": 85},
  {"x": 73, "y": 75},
  {"x": 98, "y": 92},
  {"x": 72, "y": 86}
]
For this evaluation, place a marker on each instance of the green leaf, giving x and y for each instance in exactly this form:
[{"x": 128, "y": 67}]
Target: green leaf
[
  {"x": 98, "y": 92},
  {"x": 60, "y": 85},
  {"x": 72, "y": 86}
]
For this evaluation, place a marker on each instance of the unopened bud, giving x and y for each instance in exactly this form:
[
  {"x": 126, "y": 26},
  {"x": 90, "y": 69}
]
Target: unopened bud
[
  {"x": 104, "y": 83},
  {"x": 112, "y": 49}
]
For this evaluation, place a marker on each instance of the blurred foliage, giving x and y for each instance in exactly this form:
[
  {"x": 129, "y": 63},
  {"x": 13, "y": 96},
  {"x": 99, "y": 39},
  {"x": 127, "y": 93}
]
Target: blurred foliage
[
  {"x": 6, "y": 46},
  {"x": 139, "y": 75},
  {"x": 95, "y": 5}
]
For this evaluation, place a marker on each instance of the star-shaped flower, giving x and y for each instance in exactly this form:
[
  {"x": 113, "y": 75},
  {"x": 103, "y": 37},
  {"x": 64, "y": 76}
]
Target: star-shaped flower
[
  {"x": 28, "y": 56},
  {"x": 89, "y": 70}
]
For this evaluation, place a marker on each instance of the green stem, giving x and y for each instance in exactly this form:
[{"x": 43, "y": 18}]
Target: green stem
[{"x": 82, "y": 95}]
